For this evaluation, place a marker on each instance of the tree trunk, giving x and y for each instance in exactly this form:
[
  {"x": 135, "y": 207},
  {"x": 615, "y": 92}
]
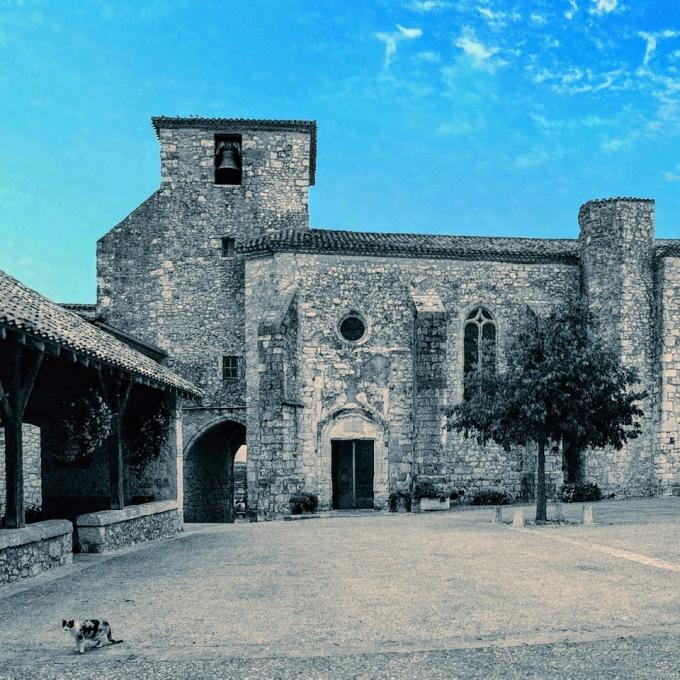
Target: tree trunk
[{"x": 541, "y": 509}]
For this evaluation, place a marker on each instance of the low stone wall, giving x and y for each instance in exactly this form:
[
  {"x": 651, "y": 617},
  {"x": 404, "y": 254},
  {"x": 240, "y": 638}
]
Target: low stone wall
[
  {"x": 34, "y": 549},
  {"x": 100, "y": 532}
]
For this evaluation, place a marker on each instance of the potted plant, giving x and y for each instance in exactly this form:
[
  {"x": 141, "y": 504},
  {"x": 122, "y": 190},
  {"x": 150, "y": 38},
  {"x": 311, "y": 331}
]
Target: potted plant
[
  {"x": 400, "y": 501},
  {"x": 303, "y": 502},
  {"x": 432, "y": 496}
]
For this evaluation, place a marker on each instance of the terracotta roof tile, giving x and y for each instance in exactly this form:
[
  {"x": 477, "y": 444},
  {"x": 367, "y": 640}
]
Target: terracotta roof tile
[
  {"x": 25, "y": 310},
  {"x": 415, "y": 245}
]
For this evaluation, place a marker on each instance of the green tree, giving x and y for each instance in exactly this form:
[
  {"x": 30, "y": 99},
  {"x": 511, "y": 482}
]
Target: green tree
[{"x": 562, "y": 383}]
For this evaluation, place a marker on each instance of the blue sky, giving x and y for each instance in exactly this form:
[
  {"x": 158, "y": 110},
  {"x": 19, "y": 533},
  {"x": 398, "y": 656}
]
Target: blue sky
[{"x": 445, "y": 116}]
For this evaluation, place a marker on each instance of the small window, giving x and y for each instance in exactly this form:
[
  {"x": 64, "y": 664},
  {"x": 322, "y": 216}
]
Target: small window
[
  {"x": 229, "y": 368},
  {"x": 228, "y": 247},
  {"x": 228, "y": 159},
  {"x": 352, "y": 328}
]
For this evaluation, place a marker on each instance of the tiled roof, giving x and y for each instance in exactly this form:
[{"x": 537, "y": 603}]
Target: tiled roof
[
  {"x": 415, "y": 245},
  {"x": 85, "y": 311},
  {"x": 667, "y": 247},
  {"x": 25, "y": 311},
  {"x": 236, "y": 124}
]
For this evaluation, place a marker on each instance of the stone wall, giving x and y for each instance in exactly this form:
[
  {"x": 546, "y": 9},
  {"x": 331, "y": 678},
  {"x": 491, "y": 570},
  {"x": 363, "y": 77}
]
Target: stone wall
[
  {"x": 208, "y": 473},
  {"x": 273, "y": 406},
  {"x": 617, "y": 242},
  {"x": 161, "y": 274},
  {"x": 667, "y": 459},
  {"x": 34, "y": 549},
  {"x": 101, "y": 532},
  {"x": 32, "y": 476},
  {"x": 430, "y": 346},
  {"x": 376, "y": 378}
]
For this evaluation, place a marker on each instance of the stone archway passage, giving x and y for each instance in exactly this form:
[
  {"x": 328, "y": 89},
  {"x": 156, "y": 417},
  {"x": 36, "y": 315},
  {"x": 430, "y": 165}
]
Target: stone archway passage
[{"x": 209, "y": 474}]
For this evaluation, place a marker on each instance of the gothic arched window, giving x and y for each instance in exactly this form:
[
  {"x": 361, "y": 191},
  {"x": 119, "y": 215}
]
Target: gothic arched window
[{"x": 479, "y": 345}]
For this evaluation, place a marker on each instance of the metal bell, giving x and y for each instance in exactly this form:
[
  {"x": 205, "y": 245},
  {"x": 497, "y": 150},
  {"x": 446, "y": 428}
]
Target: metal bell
[
  {"x": 228, "y": 163},
  {"x": 227, "y": 156}
]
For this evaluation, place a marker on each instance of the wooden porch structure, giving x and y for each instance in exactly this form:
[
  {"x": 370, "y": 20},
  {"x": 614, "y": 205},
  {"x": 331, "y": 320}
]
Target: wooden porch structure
[{"x": 35, "y": 331}]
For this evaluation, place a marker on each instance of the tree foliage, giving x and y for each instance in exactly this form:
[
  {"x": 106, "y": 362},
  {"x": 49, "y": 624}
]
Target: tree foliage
[
  {"x": 562, "y": 383},
  {"x": 145, "y": 428},
  {"x": 83, "y": 424}
]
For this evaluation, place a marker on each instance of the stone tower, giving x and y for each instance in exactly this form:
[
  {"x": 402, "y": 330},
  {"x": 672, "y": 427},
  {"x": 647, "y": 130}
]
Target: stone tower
[
  {"x": 617, "y": 268},
  {"x": 170, "y": 273}
]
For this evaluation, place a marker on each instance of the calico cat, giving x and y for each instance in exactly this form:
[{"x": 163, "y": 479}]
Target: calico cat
[{"x": 92, "y": 630}]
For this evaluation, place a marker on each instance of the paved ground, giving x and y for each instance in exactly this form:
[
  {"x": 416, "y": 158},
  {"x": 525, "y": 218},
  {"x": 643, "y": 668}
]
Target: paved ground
[{"x": 387, "y": 596}]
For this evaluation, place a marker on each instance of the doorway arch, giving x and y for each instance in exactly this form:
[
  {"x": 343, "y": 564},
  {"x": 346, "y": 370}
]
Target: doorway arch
[{"x": 209, "y": 472}]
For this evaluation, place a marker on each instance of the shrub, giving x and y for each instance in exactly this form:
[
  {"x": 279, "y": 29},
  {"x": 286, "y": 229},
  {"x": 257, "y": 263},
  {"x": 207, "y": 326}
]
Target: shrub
[
  {"x": 491, "y": 497},
  {"x": 456, "y": 494},
  {"x": 400, "y": 498},
  {"x": 303, "y": 501},
  {"x": 575, "y": 493},
  {"x": 426, "y": 488}
]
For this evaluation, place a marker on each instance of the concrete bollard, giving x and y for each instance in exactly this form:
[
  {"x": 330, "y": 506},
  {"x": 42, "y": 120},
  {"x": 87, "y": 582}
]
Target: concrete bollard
[
  {"x": 587, "y": 516},
  {"x": 496, "y": 515},
  {"x": 518, "y": 519},
  {"x": 559, "y": 512}
]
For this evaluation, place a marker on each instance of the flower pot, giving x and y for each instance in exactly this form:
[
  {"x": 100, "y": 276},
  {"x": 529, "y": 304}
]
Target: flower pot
[{"x": 429, "y": 504}]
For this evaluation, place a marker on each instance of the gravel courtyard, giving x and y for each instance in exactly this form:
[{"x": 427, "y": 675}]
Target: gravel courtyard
[{"x": 371, "y": 595}]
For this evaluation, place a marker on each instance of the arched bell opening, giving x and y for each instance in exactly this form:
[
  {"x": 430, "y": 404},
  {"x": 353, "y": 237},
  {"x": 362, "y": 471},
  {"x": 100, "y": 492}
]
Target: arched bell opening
[{"x": 209, "y": 478}]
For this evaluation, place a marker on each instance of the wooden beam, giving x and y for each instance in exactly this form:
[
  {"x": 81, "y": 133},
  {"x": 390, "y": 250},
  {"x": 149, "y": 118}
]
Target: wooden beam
[
  {"x": 5, "y": 408},
  {"x": 116, "y": 392},
  {"x": 19, "y": 369},
  {"x": 15, "y": 516}
]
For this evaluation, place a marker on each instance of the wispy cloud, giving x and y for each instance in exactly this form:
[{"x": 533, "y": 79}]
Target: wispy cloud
[
  {"x": 497, "y": 19},
  {"x": 482, "y": 57},
  {"x": 652, "y": 40},
  {"x": 428, "y": 5},
  {"x": 578, "y": 81},
  {"x": 532, "y": 159},
  {"x": 433, "y": 57},
  {"x": 571, "y": 12},
  {"x": 603, "y": 6},
  {"x": 672, "y": 175},
  {"x": 392, "y": 39},
  {"x": 538, "y": 19}
]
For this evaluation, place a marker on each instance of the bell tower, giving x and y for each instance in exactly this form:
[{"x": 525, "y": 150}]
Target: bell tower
[{"x": 255, "y": 174}]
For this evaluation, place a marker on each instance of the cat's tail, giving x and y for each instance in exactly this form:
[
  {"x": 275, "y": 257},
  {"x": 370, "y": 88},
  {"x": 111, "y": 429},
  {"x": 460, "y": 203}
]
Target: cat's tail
[{"x": 111, "y": 640}]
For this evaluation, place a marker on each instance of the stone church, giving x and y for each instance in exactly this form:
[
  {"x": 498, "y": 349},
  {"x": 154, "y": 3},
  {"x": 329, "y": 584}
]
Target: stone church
[{"x": 329, "y": 357}]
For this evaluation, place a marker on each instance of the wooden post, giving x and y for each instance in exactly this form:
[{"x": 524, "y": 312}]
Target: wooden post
[
  {"x": 19, "y": 370},
  {"x": 116, "y": 390}
]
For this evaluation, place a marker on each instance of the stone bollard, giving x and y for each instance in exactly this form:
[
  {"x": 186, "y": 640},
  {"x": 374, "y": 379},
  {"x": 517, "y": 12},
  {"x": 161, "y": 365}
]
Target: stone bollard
[
  {"x": 496, "y": 515},
  {"x": 518, "y": 519},
  {"x": 559, "y": 512},
  {"x": 587, "y": 516}
]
